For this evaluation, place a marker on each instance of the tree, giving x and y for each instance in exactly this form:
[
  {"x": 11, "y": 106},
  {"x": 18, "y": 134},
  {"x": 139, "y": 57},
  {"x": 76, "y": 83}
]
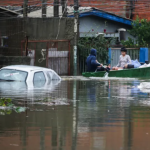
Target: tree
[{"x": 141, "y": 31}]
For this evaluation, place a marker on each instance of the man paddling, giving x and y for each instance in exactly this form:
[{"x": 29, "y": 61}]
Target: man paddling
[{"x": 92, "y": 63}]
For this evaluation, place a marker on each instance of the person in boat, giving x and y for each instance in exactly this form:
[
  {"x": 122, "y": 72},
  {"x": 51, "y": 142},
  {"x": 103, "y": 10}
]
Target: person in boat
[
  {"x": 124, "y": 60},
  {"x": 92, "y": 63}
]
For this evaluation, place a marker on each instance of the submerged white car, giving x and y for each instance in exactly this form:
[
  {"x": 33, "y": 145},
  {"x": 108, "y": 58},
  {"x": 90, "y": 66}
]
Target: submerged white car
[{"x": 27, "y": 74}]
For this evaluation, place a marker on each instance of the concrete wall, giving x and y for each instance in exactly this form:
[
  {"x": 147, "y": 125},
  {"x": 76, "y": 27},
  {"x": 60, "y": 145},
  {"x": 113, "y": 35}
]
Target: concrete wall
[
  {"x": 49, "y": 29},
  {"x": 37, "y": 29},
  {"x": 14, "y": 60},
  {"x": 14, "y": 30},
  {"x": 17, "y": 29},
  {"x": 91, "y": 25}
]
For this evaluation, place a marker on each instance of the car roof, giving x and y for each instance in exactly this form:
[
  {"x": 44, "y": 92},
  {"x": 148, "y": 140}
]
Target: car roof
[{"x": 26, "y": 68}]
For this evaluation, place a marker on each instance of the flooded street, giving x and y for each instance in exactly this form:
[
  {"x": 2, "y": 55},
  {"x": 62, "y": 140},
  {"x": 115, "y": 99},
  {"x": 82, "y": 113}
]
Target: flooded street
[{"x": 76, "y": 115}]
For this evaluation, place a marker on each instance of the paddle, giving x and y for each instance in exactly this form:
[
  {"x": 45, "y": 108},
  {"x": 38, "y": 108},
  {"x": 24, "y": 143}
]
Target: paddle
[{"x": 105, "y": 68}]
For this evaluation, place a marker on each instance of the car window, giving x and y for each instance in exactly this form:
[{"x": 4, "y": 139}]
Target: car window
[
  {"x": 12, "y": 74},
  {"x": 39, "y": 76}
]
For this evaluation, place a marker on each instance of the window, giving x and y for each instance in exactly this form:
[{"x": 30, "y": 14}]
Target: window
[
  {"x": 39, "y": 79},
  {"x": 12, "y": 74},
  {"x": 39, "y": 76}
]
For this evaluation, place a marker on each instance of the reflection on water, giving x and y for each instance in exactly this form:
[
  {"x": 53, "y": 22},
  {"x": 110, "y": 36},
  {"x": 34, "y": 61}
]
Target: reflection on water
[{"x": 105, "y": 115}]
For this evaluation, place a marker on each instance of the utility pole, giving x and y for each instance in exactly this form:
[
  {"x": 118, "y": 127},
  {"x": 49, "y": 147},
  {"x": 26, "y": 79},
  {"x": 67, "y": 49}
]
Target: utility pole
[
  {"x": 25, "y": 12},
  {"x": 76, "y": 30},
  {"x": 44, "y": 4},
  {"x": 56, "y": 8},
  {"x": 25, "y": 8},
  {"x": 64, "y": 8}
]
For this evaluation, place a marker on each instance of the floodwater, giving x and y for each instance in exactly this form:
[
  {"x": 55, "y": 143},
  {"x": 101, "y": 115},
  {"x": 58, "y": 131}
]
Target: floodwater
[{"x": 77, "y": 115}]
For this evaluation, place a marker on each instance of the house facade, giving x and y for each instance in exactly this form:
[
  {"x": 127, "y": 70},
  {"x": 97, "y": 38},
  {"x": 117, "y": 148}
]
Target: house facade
[{"x": 93, "y": 22}]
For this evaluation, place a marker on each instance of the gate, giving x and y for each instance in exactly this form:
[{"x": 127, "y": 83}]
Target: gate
[{"x": 53, "y": 54}]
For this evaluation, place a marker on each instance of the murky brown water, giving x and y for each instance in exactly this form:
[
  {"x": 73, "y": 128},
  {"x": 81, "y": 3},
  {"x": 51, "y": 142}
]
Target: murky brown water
[{"x": 87, "y": 115}]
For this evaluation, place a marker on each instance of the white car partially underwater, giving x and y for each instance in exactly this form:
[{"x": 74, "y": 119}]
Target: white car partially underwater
[
  {"x": 27, "y": 73},
  {"x": 33, "y": 77}
]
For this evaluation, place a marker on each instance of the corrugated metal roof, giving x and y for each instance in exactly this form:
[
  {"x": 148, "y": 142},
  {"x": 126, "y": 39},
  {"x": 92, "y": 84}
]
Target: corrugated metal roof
[
  {"x": 103, "y": 14},
  {"x": 7, "y": 10}
]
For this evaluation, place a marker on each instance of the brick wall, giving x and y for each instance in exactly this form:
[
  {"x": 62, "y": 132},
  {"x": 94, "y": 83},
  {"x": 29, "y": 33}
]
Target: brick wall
[
  {"x": 119, "y": 7},
  {"x": 113, "y": 6},
  {"x": 142, "y": 9}
]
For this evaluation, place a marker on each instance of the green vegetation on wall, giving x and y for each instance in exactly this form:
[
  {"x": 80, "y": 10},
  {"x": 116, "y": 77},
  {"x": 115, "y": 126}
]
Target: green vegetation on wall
[{"x": 141, "y": 31}]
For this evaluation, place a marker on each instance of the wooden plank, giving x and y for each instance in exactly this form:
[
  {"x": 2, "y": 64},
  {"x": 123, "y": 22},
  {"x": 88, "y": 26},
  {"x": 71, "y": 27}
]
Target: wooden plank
[{"x": 58, "y": 61}]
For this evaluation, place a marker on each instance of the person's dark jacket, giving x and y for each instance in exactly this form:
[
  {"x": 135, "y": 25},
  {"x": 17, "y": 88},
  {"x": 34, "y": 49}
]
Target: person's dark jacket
[{"x": 91, "y": 61}]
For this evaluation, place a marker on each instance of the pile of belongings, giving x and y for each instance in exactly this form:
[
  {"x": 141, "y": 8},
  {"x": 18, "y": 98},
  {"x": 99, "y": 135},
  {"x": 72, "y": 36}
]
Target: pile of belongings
[
  {"x": 145, "y": 65},
  {"x": 136, "y": 63}
]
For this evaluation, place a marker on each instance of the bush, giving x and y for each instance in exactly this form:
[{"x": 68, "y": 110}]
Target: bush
[{"x": 100, "y": 43}]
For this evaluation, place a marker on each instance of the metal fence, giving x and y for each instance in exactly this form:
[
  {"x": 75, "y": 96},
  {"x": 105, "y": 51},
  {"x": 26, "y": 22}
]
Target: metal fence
[
  {"x": 53, "y": 54},
  {"x": 115, "y": 53}
]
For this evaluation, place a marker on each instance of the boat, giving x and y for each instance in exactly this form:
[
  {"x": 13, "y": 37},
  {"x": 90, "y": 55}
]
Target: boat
[{"x": 125, "y": 73}]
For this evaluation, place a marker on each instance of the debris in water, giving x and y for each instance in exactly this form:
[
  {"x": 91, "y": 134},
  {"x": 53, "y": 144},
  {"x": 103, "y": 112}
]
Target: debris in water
[
  {"x": 50, "y": 102},
  {"x": 6, "y": 102},
  {"x": 20, "y": 109},
  {"x": 14, "y": 144},
  {"x": 6, "y": 107}
]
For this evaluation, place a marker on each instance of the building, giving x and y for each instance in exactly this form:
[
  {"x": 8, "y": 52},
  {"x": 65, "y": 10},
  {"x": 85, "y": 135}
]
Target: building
[
  {"x": 94, "y": 22},
  {"x": 124, "y": 8}
]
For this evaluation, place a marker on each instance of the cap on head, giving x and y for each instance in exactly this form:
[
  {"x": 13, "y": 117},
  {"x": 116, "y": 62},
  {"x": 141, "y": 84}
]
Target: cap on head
[{"x": 123, "y": 49}]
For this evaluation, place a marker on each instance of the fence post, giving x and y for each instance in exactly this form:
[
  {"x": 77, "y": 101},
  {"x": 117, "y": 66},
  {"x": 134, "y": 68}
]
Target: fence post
[
  {"x": 143, "y": 54},
  {"x": 109, "y": 55}
]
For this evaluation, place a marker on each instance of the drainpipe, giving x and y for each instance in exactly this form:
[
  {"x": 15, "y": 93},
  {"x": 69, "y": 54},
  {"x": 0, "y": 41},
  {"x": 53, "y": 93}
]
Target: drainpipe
[
  {"x": 26, "y": 46},
  {"x": 25, "y": 8},
  {"x": 56, "y": 8},
  {"x": 131, "y": 8},
  {"x": 44, "y": 4},
  {"x": 64, "y": 8}
]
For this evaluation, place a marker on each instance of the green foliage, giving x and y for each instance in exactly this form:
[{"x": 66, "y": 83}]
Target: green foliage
[
  {"x": 6, "y": 102},
  {"x": 5, "y": 111},
  {"x": 141, "y": 31},
  {"x": 20, "y": 109},
  {"x": 7, "y": 106},
  {"x": 129, "y": 43},
  {"x": 100, "y": 43}
]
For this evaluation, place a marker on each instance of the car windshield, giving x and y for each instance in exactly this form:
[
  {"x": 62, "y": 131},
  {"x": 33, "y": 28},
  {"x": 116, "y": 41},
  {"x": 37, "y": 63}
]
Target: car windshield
[{"x": 13, "y": 75}]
